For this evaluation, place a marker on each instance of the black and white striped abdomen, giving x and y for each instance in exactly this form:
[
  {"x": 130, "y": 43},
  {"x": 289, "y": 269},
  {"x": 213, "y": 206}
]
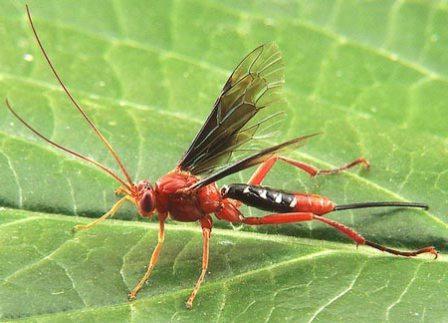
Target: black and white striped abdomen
[{"x": 261, "y": 197}]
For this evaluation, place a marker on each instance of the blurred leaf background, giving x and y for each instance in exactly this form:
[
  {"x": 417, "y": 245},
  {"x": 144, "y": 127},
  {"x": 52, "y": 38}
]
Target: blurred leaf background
[{"x": 371, "y": 75}]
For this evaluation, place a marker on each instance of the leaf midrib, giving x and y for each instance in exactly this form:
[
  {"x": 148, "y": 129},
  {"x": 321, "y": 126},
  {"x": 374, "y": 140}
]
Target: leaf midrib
[
  {"x": 180, "y": 116},
  {"x": 132, "y": 312},
  {"x": 181, "y": 227},
  {"x": 330, "y": 248},
  {"x": 169, "y": 53}
]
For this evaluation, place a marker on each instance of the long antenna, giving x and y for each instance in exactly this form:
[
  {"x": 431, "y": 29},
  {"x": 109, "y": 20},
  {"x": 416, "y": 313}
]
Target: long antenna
[
  {"x": 74, "y": 153},
  {"x": 92, "y": 125},
  {"x": 380, "y": 204}
]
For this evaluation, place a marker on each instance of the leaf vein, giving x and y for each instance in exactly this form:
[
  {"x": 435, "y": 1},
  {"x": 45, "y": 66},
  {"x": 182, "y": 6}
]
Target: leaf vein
[
  {"x": 405, "y": 290},
  {"x": 339, "y": 295}
]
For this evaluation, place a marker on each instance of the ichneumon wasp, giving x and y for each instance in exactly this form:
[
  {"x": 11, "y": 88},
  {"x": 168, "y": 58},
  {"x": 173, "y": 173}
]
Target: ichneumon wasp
[{"x": 189, "y": 192}]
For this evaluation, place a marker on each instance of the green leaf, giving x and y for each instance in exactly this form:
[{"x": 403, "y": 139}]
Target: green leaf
[
  {"x": 63, "y": 277},
  {"x": 371, "y": 75}
]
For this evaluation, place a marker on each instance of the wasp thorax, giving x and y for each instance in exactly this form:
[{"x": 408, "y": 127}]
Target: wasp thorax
[{"x": 145, "y": 200}]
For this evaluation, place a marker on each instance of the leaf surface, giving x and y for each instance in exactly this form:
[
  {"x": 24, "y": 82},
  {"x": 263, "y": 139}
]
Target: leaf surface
[{"x": 374, "y": 82}]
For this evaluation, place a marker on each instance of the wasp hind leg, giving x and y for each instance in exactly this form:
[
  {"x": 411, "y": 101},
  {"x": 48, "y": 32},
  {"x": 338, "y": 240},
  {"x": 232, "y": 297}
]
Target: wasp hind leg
[
  {"x": 261, "y": 172},
  {"x": 280, "y": 218}
]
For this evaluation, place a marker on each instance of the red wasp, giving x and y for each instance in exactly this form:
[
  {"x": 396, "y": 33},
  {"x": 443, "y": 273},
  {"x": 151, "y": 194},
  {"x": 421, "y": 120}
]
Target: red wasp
[{"x": 189, "y": 192}]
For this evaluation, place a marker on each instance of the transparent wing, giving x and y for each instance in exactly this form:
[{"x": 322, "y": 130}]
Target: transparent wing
[{"x": 253, "y": 85}]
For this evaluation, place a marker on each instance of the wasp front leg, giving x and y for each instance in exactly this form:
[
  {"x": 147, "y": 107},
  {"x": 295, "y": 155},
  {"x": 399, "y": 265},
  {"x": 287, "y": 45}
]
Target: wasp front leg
[
  {"x": 154, "y": 258},
  {"x": 108, "y": 214},
  {"x": 122, "y": 191}
]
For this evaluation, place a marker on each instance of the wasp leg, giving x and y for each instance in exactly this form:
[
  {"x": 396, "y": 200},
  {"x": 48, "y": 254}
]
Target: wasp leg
[
  {"x": 357, "y": 161},
  {"x": 122, "y": 191},
  {"x": 154, "y": 258},
  {"x": 108, "y": 214},
  {"x": 206, "y": 229},
  {"x": 262, "y": 170},
  {"x": 353, "y": 235}
]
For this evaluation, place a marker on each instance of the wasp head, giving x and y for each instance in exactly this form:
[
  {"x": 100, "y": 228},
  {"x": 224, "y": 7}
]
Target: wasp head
[{"x": 145, "y": 198}]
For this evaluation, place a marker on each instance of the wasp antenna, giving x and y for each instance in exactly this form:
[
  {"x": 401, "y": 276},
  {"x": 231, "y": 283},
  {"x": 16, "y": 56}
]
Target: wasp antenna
[
  {"x": 74, "y": 153},
  {"x": 72, "y": 99},
  {"x": 380, "y": 204}
]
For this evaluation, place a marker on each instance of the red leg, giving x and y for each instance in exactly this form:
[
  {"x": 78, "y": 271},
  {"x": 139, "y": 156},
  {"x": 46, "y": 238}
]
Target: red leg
[
  {"x": 360, "y": 240},
  {"x": 262, "y": 170},
  {"x": 206, "y": 224},
  {"x": 357, "y": 161},
  {"x": 278, "y": 218},
  {"x": 154, "y": 258}
]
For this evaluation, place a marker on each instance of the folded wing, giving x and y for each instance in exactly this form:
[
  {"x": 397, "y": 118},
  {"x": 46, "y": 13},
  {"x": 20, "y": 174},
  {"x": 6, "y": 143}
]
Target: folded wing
[{"x": 252, "y": 160}]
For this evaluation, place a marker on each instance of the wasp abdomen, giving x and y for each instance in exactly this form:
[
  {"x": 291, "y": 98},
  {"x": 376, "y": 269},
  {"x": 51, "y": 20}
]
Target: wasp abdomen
[
  {"x": 313, "y": 203},
  {"x": 261, "y": 197},
  {"x": 279, "y": 201}
]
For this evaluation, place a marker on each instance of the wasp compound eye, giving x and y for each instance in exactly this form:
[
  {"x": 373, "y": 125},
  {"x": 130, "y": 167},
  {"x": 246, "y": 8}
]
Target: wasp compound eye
[{"x": 146, "y": 203}]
